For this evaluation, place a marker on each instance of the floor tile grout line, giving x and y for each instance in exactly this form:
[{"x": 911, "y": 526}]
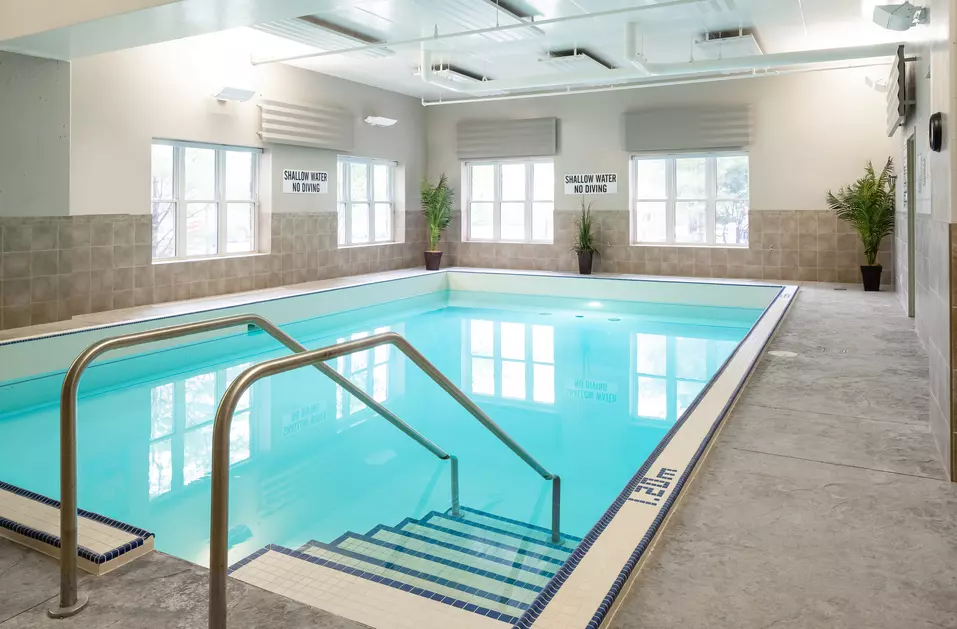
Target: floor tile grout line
[
  {"x": 856, "y": 467},
  {"x": 918, "y": 423}
]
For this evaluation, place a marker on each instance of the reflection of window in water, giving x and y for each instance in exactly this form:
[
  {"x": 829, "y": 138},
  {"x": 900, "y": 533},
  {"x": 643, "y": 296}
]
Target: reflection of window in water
[
  {"x": 190, "y": 430},
  {"x": 503, "y": 358},
  {"x": 368, "y": 370},
  {"x": 671, "y": 371}
]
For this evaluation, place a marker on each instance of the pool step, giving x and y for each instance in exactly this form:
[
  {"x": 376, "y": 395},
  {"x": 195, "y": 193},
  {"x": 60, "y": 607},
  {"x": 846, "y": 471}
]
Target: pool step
[{"x": 478, "y": 562}]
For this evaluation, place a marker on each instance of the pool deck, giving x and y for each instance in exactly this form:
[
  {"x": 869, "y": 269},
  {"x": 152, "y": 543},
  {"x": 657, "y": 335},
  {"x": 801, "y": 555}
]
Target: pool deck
[{"x": 822, "y": 504}]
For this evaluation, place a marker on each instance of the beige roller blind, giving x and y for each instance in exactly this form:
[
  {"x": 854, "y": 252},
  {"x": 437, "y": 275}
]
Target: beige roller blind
[
  {"x": 532, "y": 137},
  {"x": 316, "y": 126},
  {"x": 687, "y": 128}
]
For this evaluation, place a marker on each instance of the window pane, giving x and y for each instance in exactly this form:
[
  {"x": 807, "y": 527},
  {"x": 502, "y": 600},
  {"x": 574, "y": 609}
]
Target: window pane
[
  {"x": 543, "y": 383},
  {"x": 361, "y": 380},
  {"x": 513, "y": 221},
  {"x": 483, "y": 376},
  {"x": 731, "y": 222},
  {"x": 480, "y": 217},
  {"x": 652, "y": 354},
  {"x": 690, "y": 221},
  {"x": 380, "y": 174},
  {"x": 543, "y": 343},
  {"x": 513, "y": 380},
  {"x": 164, "y": 230},
  {"x": 200, "y": 174},
  {"x": 733, "y": 177},
  {"x": 239, "y": 438},
  {"x": 380, "y": 383},
  {"x": 161, "y": 467},
  {"x": 239, "y": 176},
  {"x": 651, "y": 221},
  {"x": 161, "y": 411},
  {"x": 239, "y": 227},
  {"x": 687, "y": 392},
  {"x": 691, "y": 177},
  {"x": 543, "y": 221},
  {"x": 201, "y": 229},
  {"x": 513, "y": 182},
  {"x": 651, "y": 180},
  {"x": 341, "y": 221},
  {"x": 340, "y": 178},
  {"x": 200, "y": 399},
  {"x": 162, "y": 164},
  {"x": 544, "y": 182},
  {"x": 513, "y": 341},
  {"x": 483, "y": 183},
  {"x": 482, "y": 336},
  {"x": 691, "y": 358},
  {"x": 383, "y": 222},
  {"x": 360, "y": 222},
  {"x": 197, "y": 453},
  {"x": 359, "y": 181},
  {"x": 652, "y": 398}
]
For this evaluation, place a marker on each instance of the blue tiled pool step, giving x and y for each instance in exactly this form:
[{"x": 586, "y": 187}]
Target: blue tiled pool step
[{"x": 479, "y": 562}]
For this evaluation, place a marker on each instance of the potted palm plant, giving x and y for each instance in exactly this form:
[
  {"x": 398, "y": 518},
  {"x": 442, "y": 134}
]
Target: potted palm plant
[
  {"x": 437, "y": 204},
  {"x": 868, "y": 204},
  {"x": 585, "y": 245}
]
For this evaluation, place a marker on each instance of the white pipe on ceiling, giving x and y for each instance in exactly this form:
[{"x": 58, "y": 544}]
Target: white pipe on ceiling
[
  {"x": 690, "y": 80},
  {"x": 425, "y": 69},
  {"x": 481, "y": 31}
]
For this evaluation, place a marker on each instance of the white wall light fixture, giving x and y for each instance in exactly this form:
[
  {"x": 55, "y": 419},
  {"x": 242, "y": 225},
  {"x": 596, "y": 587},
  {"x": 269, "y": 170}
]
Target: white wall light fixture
[
  {"x": 380, "y": 121},
  {"x": 900, "y": 17},
  {"x": 234, "y": 94}
]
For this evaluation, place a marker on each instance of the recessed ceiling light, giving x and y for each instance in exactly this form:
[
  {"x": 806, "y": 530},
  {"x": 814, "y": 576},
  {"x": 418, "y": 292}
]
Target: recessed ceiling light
[{"x": 594, "y": 304}]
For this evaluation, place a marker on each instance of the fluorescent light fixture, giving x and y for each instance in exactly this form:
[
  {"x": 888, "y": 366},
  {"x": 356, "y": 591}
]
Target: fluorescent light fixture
[
  {"x": 573, "y": 60},
  {"x": 235, "y": 94},
  {"x": 380, "y": 121},
  {"x": 478, "y": 14},
  {"x": 323, "y": 35}
]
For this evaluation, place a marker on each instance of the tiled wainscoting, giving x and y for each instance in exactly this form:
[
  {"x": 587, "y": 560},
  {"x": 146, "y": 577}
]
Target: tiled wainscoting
[
  {"x": 60, "y": 267},
  {"x": 785, "y": 245}
]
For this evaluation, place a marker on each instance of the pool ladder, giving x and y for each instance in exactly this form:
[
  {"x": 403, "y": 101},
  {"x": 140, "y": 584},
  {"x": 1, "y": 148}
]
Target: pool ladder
[{"x": 71, "y": 601}]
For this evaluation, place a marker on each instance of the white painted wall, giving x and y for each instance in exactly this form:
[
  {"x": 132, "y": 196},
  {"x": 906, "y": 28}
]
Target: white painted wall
[
  {"x": 122, "y": 100},
  {"x": 34, "y": 136},
  {"x": 812, "y": 132}
]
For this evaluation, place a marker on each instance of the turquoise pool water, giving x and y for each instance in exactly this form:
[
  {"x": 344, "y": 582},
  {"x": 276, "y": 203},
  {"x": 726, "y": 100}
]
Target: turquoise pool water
[{"x": 588, "y": 388}]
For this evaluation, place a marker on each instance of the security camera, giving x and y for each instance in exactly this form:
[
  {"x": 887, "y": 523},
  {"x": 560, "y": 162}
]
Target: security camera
[{"x": 899, "y": 17}]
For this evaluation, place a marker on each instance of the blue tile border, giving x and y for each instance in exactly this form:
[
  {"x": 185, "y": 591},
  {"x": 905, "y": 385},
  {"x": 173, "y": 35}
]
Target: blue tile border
[
  {"x": 538, "y": 606},
  {"x": 448, "y": 600},
  {"x": 53, "y": 540}
]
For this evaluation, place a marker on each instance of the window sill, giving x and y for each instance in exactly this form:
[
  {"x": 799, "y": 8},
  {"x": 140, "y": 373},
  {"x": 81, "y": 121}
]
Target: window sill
[
  {"x": 253, "y": 254},
  {"x": 509, "y": 242},
  {"x": 688, "y": 246},
  {"x": 369, "y": 244}
]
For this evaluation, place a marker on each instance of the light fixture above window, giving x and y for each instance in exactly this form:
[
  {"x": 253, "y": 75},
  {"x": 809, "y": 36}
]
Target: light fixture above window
[
  {"x": 380, "y": 121},
  {"x": 236, "y": 94}
]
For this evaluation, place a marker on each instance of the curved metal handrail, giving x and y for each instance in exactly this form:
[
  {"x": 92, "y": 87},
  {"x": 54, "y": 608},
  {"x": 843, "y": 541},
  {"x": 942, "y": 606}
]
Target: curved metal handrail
[
  {"x": 71, "y": 601},
  {"x": 219, "y": 507}
]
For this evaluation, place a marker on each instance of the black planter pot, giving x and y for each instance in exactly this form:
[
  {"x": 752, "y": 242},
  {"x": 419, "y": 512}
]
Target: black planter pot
[
  {"x": 871, "y": 276},
  {"x": 433, "y": 260},
  {"x": 584, "y": 262}
]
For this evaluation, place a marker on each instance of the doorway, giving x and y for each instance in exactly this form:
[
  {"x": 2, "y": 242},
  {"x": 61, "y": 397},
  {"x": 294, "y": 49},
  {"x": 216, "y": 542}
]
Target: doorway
[{"x": 910, "y": 200}]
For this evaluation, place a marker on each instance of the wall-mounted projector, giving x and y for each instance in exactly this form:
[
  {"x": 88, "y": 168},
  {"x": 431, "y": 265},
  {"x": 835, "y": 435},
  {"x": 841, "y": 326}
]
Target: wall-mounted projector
[{"x": 900, "y": 17}]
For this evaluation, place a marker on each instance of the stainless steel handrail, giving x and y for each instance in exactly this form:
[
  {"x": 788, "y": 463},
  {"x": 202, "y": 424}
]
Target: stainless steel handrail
[
  {"x": 219, "y": 507},
  {"x": 71, "y": 601}
]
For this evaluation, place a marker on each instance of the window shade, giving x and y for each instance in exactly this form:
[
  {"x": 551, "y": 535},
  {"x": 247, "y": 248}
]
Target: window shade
[
  {"x": 687, "y": 129},
  {"x": 317, "y": 126},
  {"x": 533, "y": 137}
]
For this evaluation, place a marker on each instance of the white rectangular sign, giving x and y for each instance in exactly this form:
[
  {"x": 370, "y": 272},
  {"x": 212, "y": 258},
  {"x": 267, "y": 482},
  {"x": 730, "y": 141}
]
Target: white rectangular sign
[
  {"x": 305, "y": 181},
  {"x": 591, "y": 183}
]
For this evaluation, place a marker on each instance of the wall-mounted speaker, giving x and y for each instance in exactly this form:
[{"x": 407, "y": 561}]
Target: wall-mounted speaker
[{"x": 936, "y": 132}]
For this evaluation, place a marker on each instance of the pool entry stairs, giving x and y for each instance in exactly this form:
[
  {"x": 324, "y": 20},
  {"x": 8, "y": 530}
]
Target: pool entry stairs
[{"x": 478, "y": 562}]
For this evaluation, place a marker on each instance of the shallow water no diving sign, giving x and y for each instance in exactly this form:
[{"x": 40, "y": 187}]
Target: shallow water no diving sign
[
  {"x": 591, "y": 183},
  {"x": 305, "y": 181}
]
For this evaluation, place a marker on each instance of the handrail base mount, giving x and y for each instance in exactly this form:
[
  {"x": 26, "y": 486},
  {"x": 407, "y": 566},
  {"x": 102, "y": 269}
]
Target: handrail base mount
[{"x": 66, "y": 612}]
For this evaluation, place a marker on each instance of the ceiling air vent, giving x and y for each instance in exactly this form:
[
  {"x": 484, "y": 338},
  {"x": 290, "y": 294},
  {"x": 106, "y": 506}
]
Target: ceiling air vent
[
  {"x": 727, "y": 44},
  {"x": 323, "y": 35},
  {"x": 575, "y": 59},
  {"x": 456, "y": 74}
]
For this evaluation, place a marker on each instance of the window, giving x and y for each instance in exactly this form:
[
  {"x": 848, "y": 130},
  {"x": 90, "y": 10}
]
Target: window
[
  {"x": 690, "y": 199},
  {"x": 367, "y": 369},
  {"x": 366, "y": 201},
  {"x": 513, "y": 361},
  {"x": 204, "y": 200},
  {"x": 510, "y": 201}
]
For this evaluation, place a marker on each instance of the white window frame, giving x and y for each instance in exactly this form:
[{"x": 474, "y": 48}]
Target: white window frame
[
  {"x": 711, "y": 199},
  {"x": 221, "y": 201},
  {"x": 497, "y": 200},
  {"x": 344, "y": 202}
]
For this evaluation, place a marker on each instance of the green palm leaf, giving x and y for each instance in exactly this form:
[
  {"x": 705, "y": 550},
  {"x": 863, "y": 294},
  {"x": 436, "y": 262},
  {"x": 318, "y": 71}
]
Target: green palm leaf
[
  {"x": 438, "y": 201},
  {"x": 868, "y": 204}
]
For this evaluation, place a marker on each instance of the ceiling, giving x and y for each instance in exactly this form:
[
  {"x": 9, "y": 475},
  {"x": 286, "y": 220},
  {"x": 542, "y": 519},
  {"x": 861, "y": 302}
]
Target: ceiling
[{"x": 666, "y": 32}]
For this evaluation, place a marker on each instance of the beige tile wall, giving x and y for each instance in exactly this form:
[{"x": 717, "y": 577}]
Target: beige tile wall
[
  {"x": 785, "y": 245},
  {"x": 56, "y": 268}
]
